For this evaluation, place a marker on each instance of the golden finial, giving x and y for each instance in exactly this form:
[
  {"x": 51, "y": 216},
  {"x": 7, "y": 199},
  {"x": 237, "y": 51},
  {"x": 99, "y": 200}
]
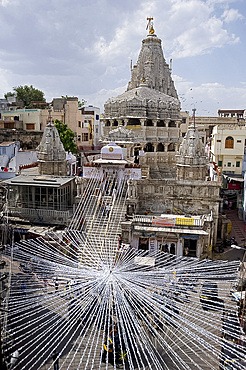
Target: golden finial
[{"x": 150, "y": 25}]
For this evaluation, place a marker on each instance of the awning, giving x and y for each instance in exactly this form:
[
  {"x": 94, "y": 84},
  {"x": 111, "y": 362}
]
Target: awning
[
  {"x": 233, "y": 178},
  {"x": 170, "y": 230}
]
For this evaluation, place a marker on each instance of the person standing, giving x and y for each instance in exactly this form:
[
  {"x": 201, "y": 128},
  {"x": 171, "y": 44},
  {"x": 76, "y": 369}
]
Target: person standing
[
  {"x": 114, "y": 193},
  {"x": 55, "y": 358},
  {"x": 107, "y": 210},
  {"x": 23, "y": 288},
  {"x": 56, "y": 285},
  {"x": 103, "y": 208}
]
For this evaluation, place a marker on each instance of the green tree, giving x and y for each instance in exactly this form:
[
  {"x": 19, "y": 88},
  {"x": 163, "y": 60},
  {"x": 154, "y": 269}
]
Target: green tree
[
  {"x": 81, "y": 103},
  {"x": 27, "y": 94},
  {"x": 66, "y": 136},
  {"x": 9, "y": 94}
]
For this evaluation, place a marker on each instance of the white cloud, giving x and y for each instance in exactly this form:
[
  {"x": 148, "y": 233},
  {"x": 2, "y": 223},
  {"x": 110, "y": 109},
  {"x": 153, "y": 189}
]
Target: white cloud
[
  {"x": 198, "y": 29},
  {"x": 231, "y": 15},
  {"x": 207, "y": 98},
  {"x": 85, "y": 48},
  {"x": 5, "y": 84},
  {"x": 100, "y": 97}
]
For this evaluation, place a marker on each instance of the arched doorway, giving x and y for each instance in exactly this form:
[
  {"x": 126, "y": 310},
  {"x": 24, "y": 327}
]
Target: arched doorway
[
  {"x": 149, "y": 147},
  {"x": 160, "y": 147}
]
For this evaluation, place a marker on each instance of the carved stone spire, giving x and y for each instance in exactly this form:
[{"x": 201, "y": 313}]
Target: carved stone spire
[
  {"x": 50, "y": 152},
  {"x": 151, "y": 69},
  {"x": 192, "y": 162}
]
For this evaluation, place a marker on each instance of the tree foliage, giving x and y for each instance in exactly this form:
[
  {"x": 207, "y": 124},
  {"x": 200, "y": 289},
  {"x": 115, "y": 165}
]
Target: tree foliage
[
  {"x": 81, "y": 103},
  {"x": 26, "y": 94},
  {"x": 66, "y": 136},
  {"x": 9, "y": 93}
]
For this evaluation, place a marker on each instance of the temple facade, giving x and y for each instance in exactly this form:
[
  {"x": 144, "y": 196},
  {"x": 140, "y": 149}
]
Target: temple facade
[{"x": 173, "y": 204}]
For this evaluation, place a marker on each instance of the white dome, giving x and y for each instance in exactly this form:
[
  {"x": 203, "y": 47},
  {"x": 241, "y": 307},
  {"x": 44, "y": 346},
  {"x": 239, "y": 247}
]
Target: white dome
[{"x": 112, "y": 151}]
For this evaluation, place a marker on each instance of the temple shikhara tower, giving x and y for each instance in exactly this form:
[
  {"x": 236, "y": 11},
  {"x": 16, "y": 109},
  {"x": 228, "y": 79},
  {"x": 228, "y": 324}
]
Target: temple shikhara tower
[
  {"x": 146, "y": 118},
  {"x": 51, "y": 154}
]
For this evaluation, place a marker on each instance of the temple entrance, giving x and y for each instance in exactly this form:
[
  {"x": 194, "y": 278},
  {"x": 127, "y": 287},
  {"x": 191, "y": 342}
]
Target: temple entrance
[
  {"x": 143, "y": 244},
  {"x": 189, "y": 247}
]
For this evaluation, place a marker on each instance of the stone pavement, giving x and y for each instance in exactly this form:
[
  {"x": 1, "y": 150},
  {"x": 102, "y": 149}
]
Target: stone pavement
[
  {"x": 238, "y": 227},
  {"x": 238, "y": 231}
]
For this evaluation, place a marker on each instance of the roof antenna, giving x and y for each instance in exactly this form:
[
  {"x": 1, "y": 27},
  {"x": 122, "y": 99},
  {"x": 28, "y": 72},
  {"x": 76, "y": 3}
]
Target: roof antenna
[{"x": 193, "y": 117}]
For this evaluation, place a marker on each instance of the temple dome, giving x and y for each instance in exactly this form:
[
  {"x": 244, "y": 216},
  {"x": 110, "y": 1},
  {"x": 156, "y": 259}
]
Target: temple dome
[{"x": 112, "y": 151}]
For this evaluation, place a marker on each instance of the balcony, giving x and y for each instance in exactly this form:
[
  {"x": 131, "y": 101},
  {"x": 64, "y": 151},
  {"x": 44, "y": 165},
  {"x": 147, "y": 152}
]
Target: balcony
[{"x": 42, "y": 215}]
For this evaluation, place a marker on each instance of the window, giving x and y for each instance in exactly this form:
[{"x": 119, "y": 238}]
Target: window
[
  {"x": 218, "y": 141},
  {"x": 79, "y": 138},
  {"x": 220, "y": 163},
  {"x": 239, "y": 141},
  {"x": 85, "y": 137},
  {"x": 229, "y": 164},
  {"x": 30, "y": 126},
  {"x": 79, "y": 123},
  {"x": 183, "y": 120},
  {"x": 229, "y": 142},
  {"x": 171, "y": 124},
  {"x": 238, "y": 164},
  {"x": 97, "y": 117}
]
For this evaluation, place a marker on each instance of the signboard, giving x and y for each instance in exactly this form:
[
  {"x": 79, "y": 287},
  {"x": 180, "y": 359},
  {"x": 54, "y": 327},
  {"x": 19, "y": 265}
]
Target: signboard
[
  {"x": 147, "y": 261},
  {"x": 89, "y": 172},
  {"x": 172, "y": 221},
  {"x": 184, "y": 221},
  {"x": 164, "y": 221},
  {"x": 189, "y": 236},
  {"x": 235, "y": 186},
  {"x": 228, "y": 228}
]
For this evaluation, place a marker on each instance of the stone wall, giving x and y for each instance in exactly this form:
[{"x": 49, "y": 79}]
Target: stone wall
[
  {"x": 28, "y": 139},
  {"x": 170, "y": 196}
]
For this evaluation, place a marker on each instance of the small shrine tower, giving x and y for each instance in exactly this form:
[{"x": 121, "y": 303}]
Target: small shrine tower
[
  {"x": 50, "y": 152},
  {"x": 191, "y": 160}
]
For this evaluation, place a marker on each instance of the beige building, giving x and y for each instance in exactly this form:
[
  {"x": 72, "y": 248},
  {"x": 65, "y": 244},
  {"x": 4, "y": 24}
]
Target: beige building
[
  {"x": 227, "y": 147},
  {"x": 84, "y": 122},
  {"x": 30, "y": 119},
  {"x": 208, "y": 123}
]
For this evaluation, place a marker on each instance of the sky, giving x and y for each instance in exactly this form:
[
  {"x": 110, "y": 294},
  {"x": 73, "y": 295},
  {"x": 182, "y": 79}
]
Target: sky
[{"x": 84, "y": 48}]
